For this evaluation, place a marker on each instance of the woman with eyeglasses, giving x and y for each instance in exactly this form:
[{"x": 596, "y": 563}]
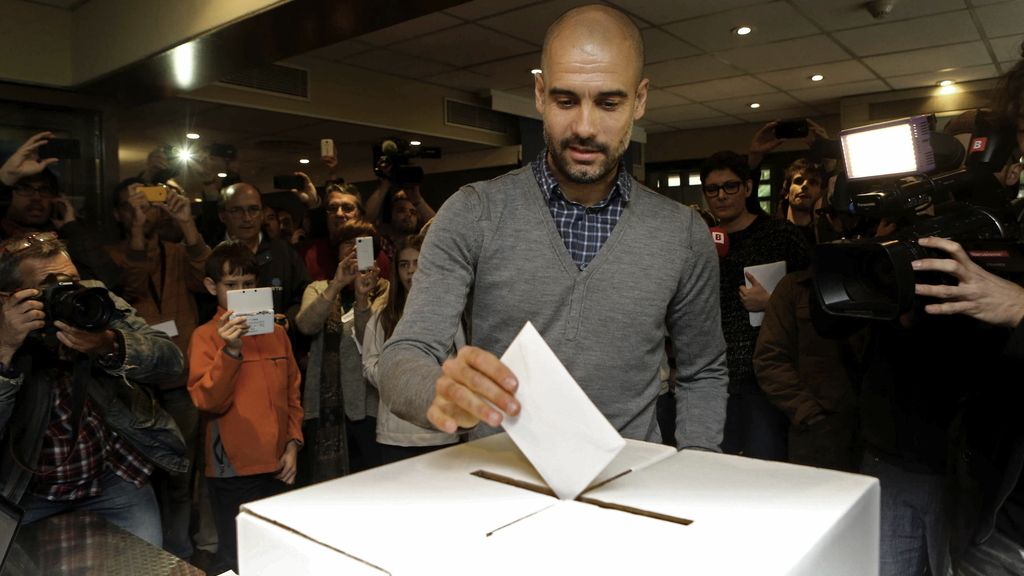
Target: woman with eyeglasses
[{"x": 753, "y": 426}]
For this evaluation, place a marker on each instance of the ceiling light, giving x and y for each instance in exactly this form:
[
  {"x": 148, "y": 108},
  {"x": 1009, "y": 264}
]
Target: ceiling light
[
  {"x": 192, "y": 136},
  {"x": 743, "y": 30},
  {"x": 303, "y": 160},
  {"x": 415, "y": 142},
  {"x": 222, "y": 174},
  {"x": 817, "y": 78},
  {"x": 535, "y": 71},
  {"x": 755, "y": 105},
  {"x": 945, "y": 83}
]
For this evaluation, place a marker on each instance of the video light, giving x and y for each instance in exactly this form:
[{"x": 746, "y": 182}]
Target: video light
[{"x": 890, "y": 148}]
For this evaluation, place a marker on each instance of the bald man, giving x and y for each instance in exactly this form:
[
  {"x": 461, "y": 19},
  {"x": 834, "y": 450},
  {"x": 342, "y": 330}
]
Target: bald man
[{"x": 598, "y": 263}]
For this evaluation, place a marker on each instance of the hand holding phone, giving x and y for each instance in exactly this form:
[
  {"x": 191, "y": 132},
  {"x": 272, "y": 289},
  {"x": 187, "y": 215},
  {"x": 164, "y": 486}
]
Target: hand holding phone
[
  {"x": 364, "y": 252},
  {"x": 791, "y": 129},
  {"x": 327, "y": 148},
  {"x": 154, "y": 194},
  {"x": 61, "y": 149},
  {"x": 289, "y": 182}
]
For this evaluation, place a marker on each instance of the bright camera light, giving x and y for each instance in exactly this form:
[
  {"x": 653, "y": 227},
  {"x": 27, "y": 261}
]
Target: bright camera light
[
  {"x": 888, "y": 148},
  {"x": 184, "y": 155}
]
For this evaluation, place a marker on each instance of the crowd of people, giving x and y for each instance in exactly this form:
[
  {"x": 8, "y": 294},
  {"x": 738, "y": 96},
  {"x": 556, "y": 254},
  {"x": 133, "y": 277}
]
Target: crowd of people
[{"x": 369, "y": 364}]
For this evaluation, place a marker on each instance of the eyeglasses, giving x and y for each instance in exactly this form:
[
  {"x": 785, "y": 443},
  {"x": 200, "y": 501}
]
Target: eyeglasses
[
  {"x": 236, "y": 211},
  {"x": 731, "y": 187},
  {"x": 15, "y": 245},
  {"x": 799, "y": 181},
  {"x": 27, "y": 191}
]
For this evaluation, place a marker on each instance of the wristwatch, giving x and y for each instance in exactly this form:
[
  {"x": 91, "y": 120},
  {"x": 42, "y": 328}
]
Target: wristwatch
[{"x": 115, "y": 357}]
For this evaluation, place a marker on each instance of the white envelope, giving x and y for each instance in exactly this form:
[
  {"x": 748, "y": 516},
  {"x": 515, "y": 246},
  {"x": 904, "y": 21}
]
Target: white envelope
[
  {"x": 558, "y": 429},
  {"x": 769, "y": 276}
]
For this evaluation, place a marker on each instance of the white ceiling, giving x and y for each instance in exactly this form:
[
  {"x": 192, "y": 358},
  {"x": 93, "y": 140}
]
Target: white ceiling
[{"x": 701, "y": 73}]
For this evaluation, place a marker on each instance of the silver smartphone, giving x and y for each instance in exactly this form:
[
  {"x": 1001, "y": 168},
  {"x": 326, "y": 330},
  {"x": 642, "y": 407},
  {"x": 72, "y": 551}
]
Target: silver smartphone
[{"x": 364, "y": 252}]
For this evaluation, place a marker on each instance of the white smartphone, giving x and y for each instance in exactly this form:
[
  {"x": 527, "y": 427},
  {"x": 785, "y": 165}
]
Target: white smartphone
[
  {"x": 364, "y": 252},
  {"x": 327, "y": 148},
  {"x": 256, "y": 305}
]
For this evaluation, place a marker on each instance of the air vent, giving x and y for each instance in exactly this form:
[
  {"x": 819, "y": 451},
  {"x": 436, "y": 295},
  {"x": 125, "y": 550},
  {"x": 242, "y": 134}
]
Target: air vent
[
  {"x": 273, "y": 78},
  {"x": 469, "y": 116}
]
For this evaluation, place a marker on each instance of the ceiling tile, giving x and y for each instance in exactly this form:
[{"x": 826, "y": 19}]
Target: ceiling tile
[
  {"x": 660, "y": 45},
  {"x": 397, "y": 64},
  {"x": 785, "y": 54},
  {"x": 510, "y": 72},
  {"x": 483, "y": 8},
  {"x": 465, "y": 45},
  {"x": 1001, "y": 19},
  {"x": 682, "y": 112},
  {"x": 462, "y": 80},
  {"x": 841, "y": 14},
  {"x": 940, "y": 29},
  {"x": 341, "y": 50},
  {"x": 741, "y": 105},
  {"x": 658, "y": 128},
  {"x": 531, "y": 23},
  {"x": 833, "y": 91},
  {"x": 1007, "y": 48},
  {"x": 703, "y": 123},
  {"x": 724, "y": 88},
  {"x": 932, "y": 78},
  {"x": 771, "y": 22},
  {"x": 782, "y": 114},
  {"x": 834, "y": 73},
  {"x": 663, "y": 99},
  {"x": 410, "y": 29},
  {"x": 916, "y": 61},
  {"x": 693, "y": 69},
  {"x": 663, "y": 12}
]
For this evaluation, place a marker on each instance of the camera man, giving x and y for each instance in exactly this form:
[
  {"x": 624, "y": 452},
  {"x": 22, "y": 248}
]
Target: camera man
[{"x": 80, "y": 428}]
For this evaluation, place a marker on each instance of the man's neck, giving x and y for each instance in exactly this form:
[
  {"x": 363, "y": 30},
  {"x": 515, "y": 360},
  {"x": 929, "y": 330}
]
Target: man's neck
[
  {"x": 253, "y": 243},
  {"x": 739, "y": 223},
  {"x": 585, "y": 194},
  {"x": 799, "y": 217}
]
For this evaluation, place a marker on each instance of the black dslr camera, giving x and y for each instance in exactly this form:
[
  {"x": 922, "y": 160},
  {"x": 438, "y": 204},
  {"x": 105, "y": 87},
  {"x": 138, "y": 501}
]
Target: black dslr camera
[
  {"x": 391, "y": 160},
  {"x": 65, "y": 300},
  {"x": 872, "y": 277}
]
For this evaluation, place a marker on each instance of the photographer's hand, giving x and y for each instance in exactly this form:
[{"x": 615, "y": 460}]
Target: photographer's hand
[
  {"x": 470, "y": 383},
  {"x": 978, "y": 293},
  {"x": 86, "y": 342},
  {"x": 25, "y": 161},
  {"x": 180, "y": 210},
  {"x": 21, "y": 315}
]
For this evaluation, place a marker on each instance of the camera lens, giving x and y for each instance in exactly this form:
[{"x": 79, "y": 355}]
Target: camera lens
[{"x": 86, "y": 308}]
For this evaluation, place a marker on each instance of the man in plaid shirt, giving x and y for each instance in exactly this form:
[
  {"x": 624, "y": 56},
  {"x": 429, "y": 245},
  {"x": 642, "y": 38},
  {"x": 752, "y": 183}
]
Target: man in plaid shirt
[{"x": 70, "y": 443}]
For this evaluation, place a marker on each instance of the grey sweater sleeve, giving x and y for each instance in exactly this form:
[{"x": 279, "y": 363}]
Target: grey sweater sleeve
[
  {"x": 695, "y": 326},
  {"x": 411, "y": 360}
]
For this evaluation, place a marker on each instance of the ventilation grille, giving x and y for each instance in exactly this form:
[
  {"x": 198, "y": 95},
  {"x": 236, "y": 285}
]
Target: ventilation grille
[
  {"x": 273, "y": 78},
  {"x": 469, "y": 116}
]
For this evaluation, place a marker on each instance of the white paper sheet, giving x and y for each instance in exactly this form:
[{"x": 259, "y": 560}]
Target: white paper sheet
[
  {"x": 559, "y": 429},
  {"x": 769, "y": 276}
]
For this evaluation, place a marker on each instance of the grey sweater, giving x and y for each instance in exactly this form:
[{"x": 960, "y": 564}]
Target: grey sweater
[{"x": 494, "y": 249}]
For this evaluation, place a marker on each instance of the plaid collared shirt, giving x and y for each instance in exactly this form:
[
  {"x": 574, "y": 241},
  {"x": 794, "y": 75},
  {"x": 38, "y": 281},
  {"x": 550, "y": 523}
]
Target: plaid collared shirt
[
  {"x": 584, "y": 229},
  {"x": 71, "y": 468}
]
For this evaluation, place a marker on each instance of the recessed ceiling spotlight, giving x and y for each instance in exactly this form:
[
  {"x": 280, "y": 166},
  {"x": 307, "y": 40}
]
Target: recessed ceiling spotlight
[
  {"x": 536, "y": 71},
  {"x": 945, "y": 83},
  {"x": 303, "y": 160},
  {"x": 222, "y": 174},
  {"x": 817, "y": 78},
  {"x": 742, "y": 30},
  {"x": 192, "y": 136},
  {"x": 415, "y": 143},
  {"x": 755, "y": 105}
]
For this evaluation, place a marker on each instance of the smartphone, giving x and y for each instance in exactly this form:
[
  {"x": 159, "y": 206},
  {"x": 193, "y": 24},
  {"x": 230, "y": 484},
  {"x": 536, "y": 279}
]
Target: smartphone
[
  {"x": 327, "y": 148},
  {"x": 61, "y": 148},
  {"x": 364, "y": 252},
  {"x": 154, "y": 194},
  {"x": 790, "y": 129},
  {"x": 289, "y": 182}
]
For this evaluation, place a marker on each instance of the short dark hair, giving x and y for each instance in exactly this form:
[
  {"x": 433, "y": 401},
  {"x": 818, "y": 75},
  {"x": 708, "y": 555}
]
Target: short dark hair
[
  {"x": 807, "y": 167},
  {"x": 726, "y": 160},
  {"x": 10, "y": 280},
  {"x": 122, "y": 186},
  {"x": 230, "y": 257},
  {"x": 1009, "y": 97}
]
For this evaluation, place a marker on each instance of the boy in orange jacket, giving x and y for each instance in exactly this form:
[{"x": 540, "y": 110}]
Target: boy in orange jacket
[{"x": 248, "y": 387}]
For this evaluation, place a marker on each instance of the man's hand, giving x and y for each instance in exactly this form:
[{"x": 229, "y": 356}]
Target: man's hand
[
  {"x": 177, "y": 207},
  {"x": 232, "y": 330},
  {"x": 755, "y": 297},
  {"x": 764, "y": 140},
  {"x": 468, "y": 382},
  {"x": 83, "y": 341},
  {"x": 815, "y": 132},
  {"x": 20, "y": 316},
  {"x": 347, "y": 270},
  {"x": 308, "y": 193},
  {"x": 139, "y": 204},
  {"x": 287, "y": 471},
  {"x": 978, "y": 293},
  {"x": 63, "y": 212},
  {"x": 364, "y": 286},
  {"x": 25, "y": 161}
]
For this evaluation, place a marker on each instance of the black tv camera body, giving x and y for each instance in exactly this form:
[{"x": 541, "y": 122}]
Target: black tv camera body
[
  {"x": 391, "y": 160},
  {"x": 65, "y": 300},
  {"x": 872, "y": 277}
]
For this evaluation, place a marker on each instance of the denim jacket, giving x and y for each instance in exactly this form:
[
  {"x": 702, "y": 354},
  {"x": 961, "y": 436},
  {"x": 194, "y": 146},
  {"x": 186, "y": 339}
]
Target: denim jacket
[{"x": 149, "y": 359}]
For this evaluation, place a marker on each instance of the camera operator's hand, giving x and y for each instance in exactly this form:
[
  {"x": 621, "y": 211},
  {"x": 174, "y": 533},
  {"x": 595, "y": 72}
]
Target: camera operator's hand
[
  {"x": 63, "y": 212},
  {"x": 754, "y": 297},
  {"x": 86, "y": 342},
  {"x": 470, "y": 383},
  {"x": 231, "y": 331},
  {"x": 21, "y": 315},
  {"x": 978, "y": 293},
  {"x": 25, "y": 161}
]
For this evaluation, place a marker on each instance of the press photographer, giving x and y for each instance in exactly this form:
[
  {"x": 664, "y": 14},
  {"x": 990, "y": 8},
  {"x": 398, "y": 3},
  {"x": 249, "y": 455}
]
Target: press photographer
[{"x": 80, "y": 426}]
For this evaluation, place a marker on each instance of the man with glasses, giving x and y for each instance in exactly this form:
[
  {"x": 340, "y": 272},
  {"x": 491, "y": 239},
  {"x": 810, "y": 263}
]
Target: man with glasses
[
  {"x": 753, "y": 427},
  {"x": 36, "y": 205},
  {"x": 280, "y": 266}
]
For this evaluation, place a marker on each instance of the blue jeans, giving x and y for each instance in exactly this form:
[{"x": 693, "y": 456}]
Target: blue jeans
[
  {"x": 914, "y": 530},
  {"x": 997, "y": 556},
  {"x": 120, "y": 502}
]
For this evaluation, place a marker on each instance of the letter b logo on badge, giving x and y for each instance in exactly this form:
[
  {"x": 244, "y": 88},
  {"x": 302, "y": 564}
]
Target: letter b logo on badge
[
  {"x": 718, "y": 237},
  {"x": 979, "y": 144}
]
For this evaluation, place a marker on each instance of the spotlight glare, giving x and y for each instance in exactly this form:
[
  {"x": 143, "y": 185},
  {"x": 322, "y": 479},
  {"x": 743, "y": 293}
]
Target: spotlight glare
[
  {"x": 945, "y": 83},
  {"x": 192, "y": 136},
  {"x": 184, "y": 155},
  {"x": 222, "y": 174},
  {"x": 415, "y": 143},
  {"x": 304, "y": 161},
  {"x": 755, "y": 105},
  {"x": 817, "y": 78},
  {"x": 743, "y": 30}
]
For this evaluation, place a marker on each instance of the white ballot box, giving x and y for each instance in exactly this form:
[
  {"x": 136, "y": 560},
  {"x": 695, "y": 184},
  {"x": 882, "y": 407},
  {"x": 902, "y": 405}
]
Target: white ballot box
[{"x": 481, "y": 508}]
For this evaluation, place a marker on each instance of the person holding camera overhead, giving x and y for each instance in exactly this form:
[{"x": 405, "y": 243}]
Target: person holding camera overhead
[{"x": 76, "y": 365}]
